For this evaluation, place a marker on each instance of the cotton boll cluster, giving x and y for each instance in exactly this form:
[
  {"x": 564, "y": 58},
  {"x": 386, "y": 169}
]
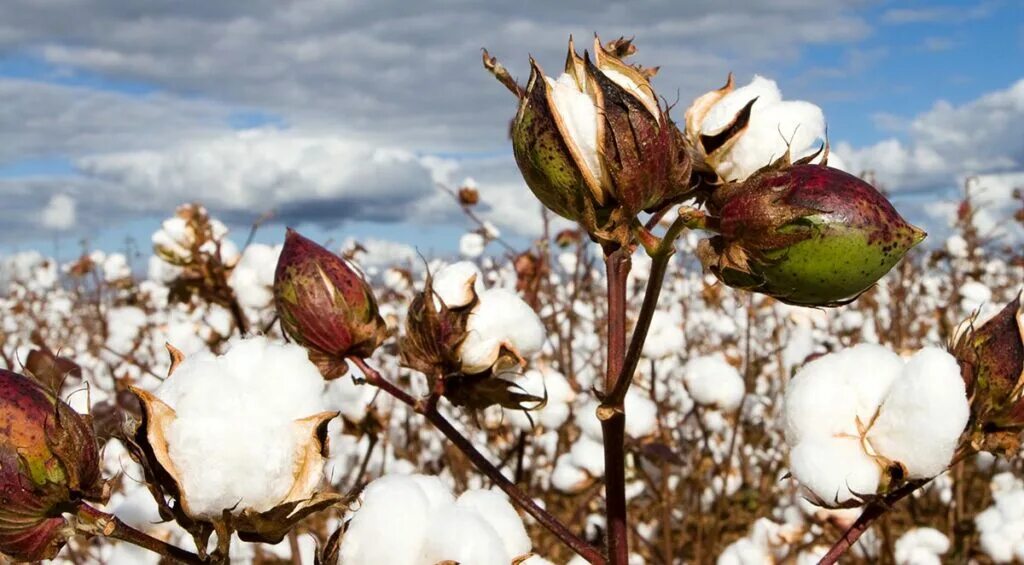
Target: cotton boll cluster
[
  {"x": 427, "y": 524},
  {"x": 712, "y": 381},
  {"x": 1002, "y": 525},
  {"x": 766, "y": 542},
  {"x": 921, "y": 546},
  {"x": 850, "y": 414},
  {"x": 775, "y": 126},
  {"x": 241, "y": 426}
]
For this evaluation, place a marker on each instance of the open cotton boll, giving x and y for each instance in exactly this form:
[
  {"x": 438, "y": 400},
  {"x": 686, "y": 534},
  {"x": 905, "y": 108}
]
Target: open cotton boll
[
  {"x": 835, "y": 470},
  {"x": 501, "y": 319},
  {"x": 559, "y": 395},
  {"x": 399, "y": 506},
  {"x": 772, "y": 129},
  {"x": 665, "y": 336},
  {"x": 724, "y": 111},
  {"x": 462, "y": 535},
  {"x": 494, "y": 507},
  {"x": 424, "y": 524},
  {"x": 712, "y": 381},
  {"x": 579, "y": 117},
  {"x": 252, "y": 279},
  {"x": 235, "y": 439},
  {"x": 829, "y": 395},
  {"x": 921, "y": 546},
  {"x": 641, "y": 414},
  {"x": 588, "y": 454},
  {"x": 567, "y": 476},
  {"x": 471, "y": 245},
  {"x": 1002, "y": 525},
  {"x": 455, "y": 284},
  {"x": 923, "y": 415}
]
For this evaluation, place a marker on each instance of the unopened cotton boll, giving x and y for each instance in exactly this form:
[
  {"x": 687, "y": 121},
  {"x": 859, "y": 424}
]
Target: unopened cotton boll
[
  {"x": 712, "y": 381},
  {"x": 240, "y": 428},
  {"x": 500, "y": 320},
  {"x": 923, "y": 415}
]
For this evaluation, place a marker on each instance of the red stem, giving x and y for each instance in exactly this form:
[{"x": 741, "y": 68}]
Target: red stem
[
  {"x": 613, "y": 422},
  {"x": 112, "y": 527}
]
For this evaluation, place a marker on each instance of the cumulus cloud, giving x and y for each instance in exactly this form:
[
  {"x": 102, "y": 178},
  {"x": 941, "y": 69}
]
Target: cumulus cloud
[
  {"x": 946, "y": 142},
  {"x": 59, "y": 213}
]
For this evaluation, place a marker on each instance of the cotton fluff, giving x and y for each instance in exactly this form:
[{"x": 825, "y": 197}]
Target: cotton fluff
[
  {"x": 665, "y": 336},
  {"x": 252, "y": 279},
  {"x": 579, "y": 116},
  {"x": 544, "y": 383},
  {"x": 923, "y": 414},
  {"x": 425, "y": 525},
  {"x": 712, "y": 381},
  {"x": 471, "y": 245},
  {"x": 921, "y": 546},
  {"x": 773, "y": 124},
  {"x": 844, "y": 409},
  {"x": 455, "y": 284},
  {"x": 1002, "y": 525},
  {"x": 235, "y": 441}
]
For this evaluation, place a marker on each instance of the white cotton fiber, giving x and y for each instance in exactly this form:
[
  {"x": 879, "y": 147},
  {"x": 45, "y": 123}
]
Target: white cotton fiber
[
  {"x": 500, "y": 319},
  {"x": 454, "y": 284},
  {"x": 641, "y": 414},
  {"x": 712, "y": 381},
  {"x": 252, "y": 279},
  {"x": 579, "y": 117},
  {"x": 665, "y": 337},
  {"x": 835, "y": 470},
  {"x": 921, "y": 546},
  {"x": 423, "y": 524},
  {"x": 234, "y": 440},
  {"x": 923, "y": 415}
]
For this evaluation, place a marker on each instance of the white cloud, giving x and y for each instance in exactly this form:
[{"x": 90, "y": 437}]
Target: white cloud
[
  {"x": 948, "y": 142},
  {"x": 59, "y": 213}
]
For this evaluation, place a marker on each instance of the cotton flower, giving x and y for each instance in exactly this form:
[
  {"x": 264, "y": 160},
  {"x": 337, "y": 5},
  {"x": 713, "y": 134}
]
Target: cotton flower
[
  {"x": 849, "y": 415},
  {"x": 426, "y": 525},
  {"x": 712, "y": 381},
  {"x": 241, "y": 431}
]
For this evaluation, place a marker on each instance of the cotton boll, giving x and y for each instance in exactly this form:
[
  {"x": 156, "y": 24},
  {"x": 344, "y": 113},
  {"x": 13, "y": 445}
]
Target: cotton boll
[
  {"x": 973, "y": 296},
  {"x": 923, "y": 415},
  {"x": 455, "y": 284},
  {"x": 496, "y": 510},
  {"x": 394, "y": 504},
  {"x": 588, "y": 455},
  {"x": 641, "y": 414},
  {"x": 252, "y": 279},
  {"x": 462, "y": 535},
  {"x": 235, "y": 437},
  {"x": 745, "y": 552},
  {"x": 559, "y": 394},
  {"x": 956, "y": 246},
  {"x": 921, "y": 546},
  {"x": 501, "y": 319},
  {"x": 665, "y": 336},
  {"x": 723, "y": 112},
  {"x": 471, "y": 245},
  {"x": 712, "y": 381},
  {"x": 836, "y": 470},
  {"x": 567, "y": 476},
  {"x": 772, "y": 130}
]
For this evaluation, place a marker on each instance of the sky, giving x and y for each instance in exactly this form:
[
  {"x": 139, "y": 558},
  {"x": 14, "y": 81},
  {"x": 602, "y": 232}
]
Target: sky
[{"x": 341, "y": 118}]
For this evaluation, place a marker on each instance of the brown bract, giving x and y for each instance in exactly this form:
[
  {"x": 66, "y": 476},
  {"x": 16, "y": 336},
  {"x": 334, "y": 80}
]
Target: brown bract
[{"x": 325, "y": 305}]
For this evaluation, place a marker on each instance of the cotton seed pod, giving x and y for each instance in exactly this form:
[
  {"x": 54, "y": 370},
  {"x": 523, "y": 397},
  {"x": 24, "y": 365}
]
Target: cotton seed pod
[
  {"x": 49, "y": 462},
  {"x": 991, "y": 361},
  {"x": 595, "y": 146},
  {"x": 808, "y": 235},
  {"x": 325, "y": 305}
]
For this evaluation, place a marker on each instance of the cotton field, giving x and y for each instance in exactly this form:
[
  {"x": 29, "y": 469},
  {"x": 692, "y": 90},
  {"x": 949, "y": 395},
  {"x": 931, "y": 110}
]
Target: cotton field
[{"x": 723, "y": 348}]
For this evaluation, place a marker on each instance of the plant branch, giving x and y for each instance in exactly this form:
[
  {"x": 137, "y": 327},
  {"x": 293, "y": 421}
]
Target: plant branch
[
  {"x": 429, "y": 411},
  {"x": 613, "y": 423},
  {"x": 95, "y": 522}
]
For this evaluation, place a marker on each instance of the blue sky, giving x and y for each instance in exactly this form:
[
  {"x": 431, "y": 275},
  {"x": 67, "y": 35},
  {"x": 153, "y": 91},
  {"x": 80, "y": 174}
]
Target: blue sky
[{"x": 125, "y": 100}]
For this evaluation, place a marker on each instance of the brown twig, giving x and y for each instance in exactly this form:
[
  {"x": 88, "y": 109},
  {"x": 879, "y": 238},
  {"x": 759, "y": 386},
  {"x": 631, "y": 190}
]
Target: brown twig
[{"x": 95, "y": 522}]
